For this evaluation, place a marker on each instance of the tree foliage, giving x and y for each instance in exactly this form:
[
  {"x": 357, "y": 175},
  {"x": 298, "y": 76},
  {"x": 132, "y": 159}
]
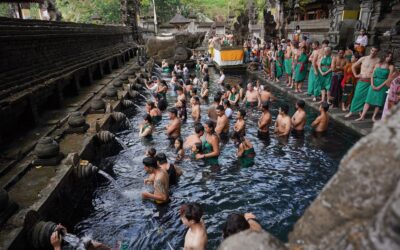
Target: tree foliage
[{"x": 82, "y": 11}]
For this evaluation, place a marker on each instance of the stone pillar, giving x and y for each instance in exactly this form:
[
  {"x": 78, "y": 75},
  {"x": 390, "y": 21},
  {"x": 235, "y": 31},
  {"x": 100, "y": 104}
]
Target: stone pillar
[{"x": 336, "y": 16}]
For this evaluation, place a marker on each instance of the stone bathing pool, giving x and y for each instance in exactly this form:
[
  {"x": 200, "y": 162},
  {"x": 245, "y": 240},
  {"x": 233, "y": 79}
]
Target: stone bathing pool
[{"x": 286, "y": 178}]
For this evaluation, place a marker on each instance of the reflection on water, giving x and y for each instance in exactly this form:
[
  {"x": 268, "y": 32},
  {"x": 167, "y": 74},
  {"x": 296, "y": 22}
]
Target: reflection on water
[{"x": 286, "y": 177}]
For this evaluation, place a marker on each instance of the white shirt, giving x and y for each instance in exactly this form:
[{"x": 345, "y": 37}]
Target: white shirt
[
  {"x": 221, "y": 79},
  {"x": 362, "y": 40},
  {"x": 228, "y": 112}
]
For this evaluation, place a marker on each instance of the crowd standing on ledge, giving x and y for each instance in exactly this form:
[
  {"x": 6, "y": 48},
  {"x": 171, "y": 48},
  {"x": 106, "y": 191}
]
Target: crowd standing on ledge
[{"x": 349, "y": 80}]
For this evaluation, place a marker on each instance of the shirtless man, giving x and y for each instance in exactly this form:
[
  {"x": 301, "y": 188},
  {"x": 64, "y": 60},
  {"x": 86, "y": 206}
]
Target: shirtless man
[
  {"x": 196, "y": 236},
  {"x": 212, "y": 110},
  {"x": 174, "y": 126},
  {"x": 283, "y": 122},
  {"x": 159, "y": 178},
  {"x": 252, "y": 97},
  {"x": 240, "y": 125},
  {"x": 204, "y": 90},
  {"x": 321, "y": 122},
  {"x": 196, "y": 109},
  {"x": 222, "y": 128},
  {"x": 266, "y": 95},
  {"x": 265, "y": 120},
  {"x": 319, "y": 55},
  {"x": 338, "y": 64},
  {"x": 367, "y": 64},
  {"x": 194, "y": 138},
  {"x": 299, "y": 117}
]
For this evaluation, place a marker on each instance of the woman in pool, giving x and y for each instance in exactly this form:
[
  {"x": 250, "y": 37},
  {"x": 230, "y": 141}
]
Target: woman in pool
[
  {"x": 234, "y": 96},
  {"x": 245, "y": 152},
  {"x": 146, "y": 128},
  {"x": 153, "y": 111},
  {"x": 179, "y": 149},
  {"x": 210, "y": 144}
]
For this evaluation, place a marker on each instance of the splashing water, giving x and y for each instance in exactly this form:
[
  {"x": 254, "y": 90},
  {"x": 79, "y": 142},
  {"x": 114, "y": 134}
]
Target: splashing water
[
  {"x": 76, "y": 242},
  {"x": 108, "y": 177},
  {"x": 121, "y": 143}
]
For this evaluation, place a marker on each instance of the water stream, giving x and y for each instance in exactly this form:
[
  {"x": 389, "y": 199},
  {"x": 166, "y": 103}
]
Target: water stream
[
  {"x": 286, "y": 178},
  {"x": 121, "y": 142}
]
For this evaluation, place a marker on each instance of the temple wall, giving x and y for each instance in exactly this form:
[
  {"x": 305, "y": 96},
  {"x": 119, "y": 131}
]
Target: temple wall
[{"x": 43, "y": 62}]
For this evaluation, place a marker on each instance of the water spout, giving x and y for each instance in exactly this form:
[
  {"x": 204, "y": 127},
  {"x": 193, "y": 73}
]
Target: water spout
[{"x": 123, "y": 145}]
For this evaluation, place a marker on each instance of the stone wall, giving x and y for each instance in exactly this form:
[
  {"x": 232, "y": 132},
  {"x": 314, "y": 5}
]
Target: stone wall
[{"x": 44, "y": 62}]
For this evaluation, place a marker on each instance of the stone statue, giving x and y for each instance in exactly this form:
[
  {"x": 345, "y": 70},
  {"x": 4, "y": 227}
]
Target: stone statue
[{"x": 242, "y": 29}]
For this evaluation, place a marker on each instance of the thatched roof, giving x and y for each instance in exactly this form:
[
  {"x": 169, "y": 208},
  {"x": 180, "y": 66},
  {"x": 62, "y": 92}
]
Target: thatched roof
[{"x": 179, "y": 19}]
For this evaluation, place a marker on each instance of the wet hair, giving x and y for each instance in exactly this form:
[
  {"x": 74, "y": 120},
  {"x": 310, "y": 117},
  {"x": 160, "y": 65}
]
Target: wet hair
[
  {"x": 210, "y": 124},
  {"x": 150, "y": 162},
  {"x": 325, "y": 42},
  {"x": 199, "y": 146},
  {"x": 198, "y": 127},
  {"x": 191, "y": 211},
  {"x": 217, "y": 98},
  {"x": 161, "y": 158},
  {"x": 234, "y": 224},
  {"x": 196, "y": 98},
  {"x": 180, "y": 143},
  {"x": 242, "y": 112},
  {"x": 151, "y": 104},
  {"x": 188, "y": 82},
  {"x": 301, "y": 104},
  {"x": 376, "y": 46},
  {"x": 173, "y": 111},
  {"x": 388, "y": 53},
  {"x": 284, "y": 108},
  {"x": 178, "y": 88},
  {"x": 194, "y": 91},
  {"x": 325, "y": 106},
  {"x": 316, "y": 43},
  {"x": 220, "y": 107},
  {"x": 265, "y": 105},
  {"x": 147, "y": 118},
  {"x": 227, "y": 103},
  {"x": 152, "y": 152}
]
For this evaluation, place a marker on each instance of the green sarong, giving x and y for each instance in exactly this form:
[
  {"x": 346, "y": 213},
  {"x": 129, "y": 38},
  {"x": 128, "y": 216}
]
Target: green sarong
[
  {"x": 207, "y": 148},
  {"x": 301, "y": 68},
  {"x": 288, "y": 66},
  {"x": 360, "y": 95},
  {"x": 247, "y": 160},
  {"x": 378, "y": 97},
  {"x": 279, "y": 65},
  {"x": 324, "y": 82},
  {"x": 311, "y": 81}
]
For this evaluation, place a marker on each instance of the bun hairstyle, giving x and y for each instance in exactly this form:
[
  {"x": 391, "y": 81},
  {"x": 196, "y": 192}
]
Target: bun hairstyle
[{"x": 191, "y": 211}]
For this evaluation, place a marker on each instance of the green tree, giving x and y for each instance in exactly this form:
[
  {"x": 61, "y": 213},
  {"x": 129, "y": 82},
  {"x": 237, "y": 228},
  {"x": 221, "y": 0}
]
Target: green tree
[{"x": 82, "y": 11}]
